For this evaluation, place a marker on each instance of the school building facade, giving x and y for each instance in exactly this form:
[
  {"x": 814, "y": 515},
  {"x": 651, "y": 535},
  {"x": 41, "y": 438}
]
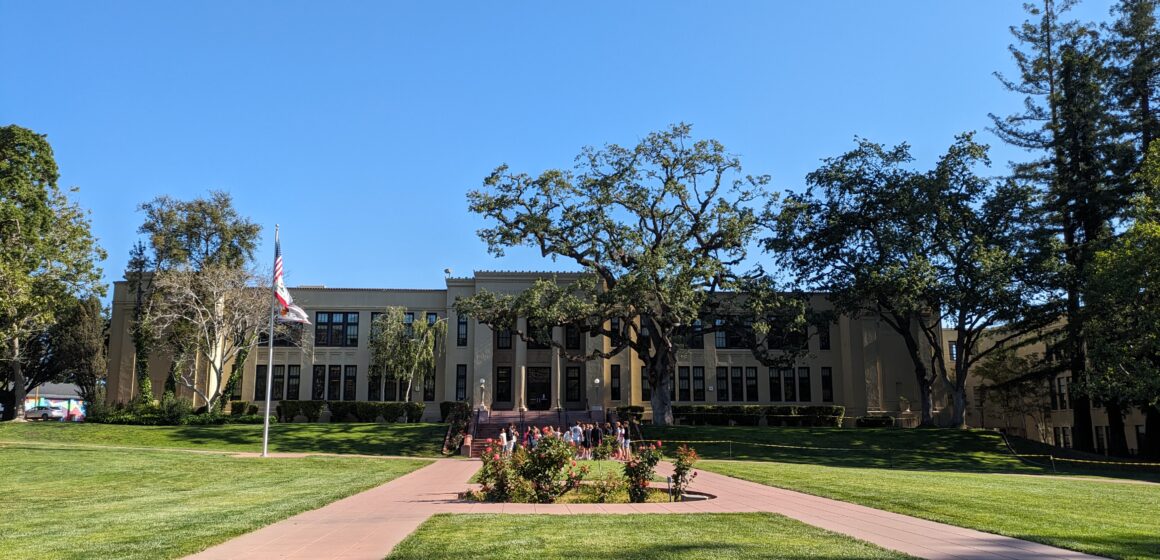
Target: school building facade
[{"x": 855, "y": 362}]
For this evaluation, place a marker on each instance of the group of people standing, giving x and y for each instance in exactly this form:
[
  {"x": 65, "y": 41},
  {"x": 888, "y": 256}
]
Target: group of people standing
[{"x": 583, "y": 437}]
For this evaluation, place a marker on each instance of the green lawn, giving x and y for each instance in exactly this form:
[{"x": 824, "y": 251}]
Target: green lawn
[
  {"x": 961, "y": 450},
  {"x": 1102, "y": 517},
  {"x": 106, "y": 503},
  {"x": 419, "y": 440},
  {"x": 635, "y": 537}
]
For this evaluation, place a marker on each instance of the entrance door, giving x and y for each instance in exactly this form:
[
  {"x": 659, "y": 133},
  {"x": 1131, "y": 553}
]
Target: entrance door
[{"x": 539, "y": 388}]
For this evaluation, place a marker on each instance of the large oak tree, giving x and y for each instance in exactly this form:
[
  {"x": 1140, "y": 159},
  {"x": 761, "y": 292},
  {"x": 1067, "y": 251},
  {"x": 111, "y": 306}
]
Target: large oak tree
[{"x": 657, "y": 228}]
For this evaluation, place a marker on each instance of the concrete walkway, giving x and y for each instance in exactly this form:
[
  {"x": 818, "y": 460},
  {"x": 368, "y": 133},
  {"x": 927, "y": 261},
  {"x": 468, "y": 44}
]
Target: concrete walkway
[{"x": 370, "y": 524}]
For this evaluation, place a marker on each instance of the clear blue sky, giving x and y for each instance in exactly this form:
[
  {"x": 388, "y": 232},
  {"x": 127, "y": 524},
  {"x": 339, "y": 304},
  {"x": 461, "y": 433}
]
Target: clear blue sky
[{"x": 360, "y": 126}]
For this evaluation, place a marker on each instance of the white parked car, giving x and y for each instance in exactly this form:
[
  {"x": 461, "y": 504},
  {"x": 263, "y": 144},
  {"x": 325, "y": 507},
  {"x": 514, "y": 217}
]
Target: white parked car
[{"x": 44, "y": 413}]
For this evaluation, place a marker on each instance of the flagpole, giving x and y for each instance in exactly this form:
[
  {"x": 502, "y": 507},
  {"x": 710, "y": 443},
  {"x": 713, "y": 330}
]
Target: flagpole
[{"x": 270, "y": 356}]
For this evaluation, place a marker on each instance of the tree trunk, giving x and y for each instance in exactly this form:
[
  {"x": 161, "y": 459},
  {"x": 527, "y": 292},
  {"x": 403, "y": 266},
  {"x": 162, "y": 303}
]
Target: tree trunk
[
  {"x": 661, "y": 371},
  {"x": 1117, "y": 441},
  {"x": 18, "y": 391},
  {"x": 959, "y": 414},
  {"x": 925, "y": 397},
  {"x": 1150, "y": 447}
]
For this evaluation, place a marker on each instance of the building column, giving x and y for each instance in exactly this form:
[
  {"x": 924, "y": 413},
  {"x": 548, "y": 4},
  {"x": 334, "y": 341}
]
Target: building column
[
  {"x": 557, "y": 389},
  {"x": 484, "y": 365},
  {"x": 520, "y": 368}
]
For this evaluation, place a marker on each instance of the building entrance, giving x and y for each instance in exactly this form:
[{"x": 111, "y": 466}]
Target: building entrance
[{"x": 539, "y": 388}]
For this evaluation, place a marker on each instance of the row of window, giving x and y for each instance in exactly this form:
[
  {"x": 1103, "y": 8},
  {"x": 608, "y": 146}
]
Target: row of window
[
  {"x": 339, "y": 382},
  {"x": 340, "y": 329},
  {"x": 334, "y": 383},
  {"x": 739, "y": 384}
]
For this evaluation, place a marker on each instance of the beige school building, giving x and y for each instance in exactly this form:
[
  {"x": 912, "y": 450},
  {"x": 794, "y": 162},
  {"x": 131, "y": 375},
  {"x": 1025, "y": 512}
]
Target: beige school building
[{"x": 859, "y": 363}]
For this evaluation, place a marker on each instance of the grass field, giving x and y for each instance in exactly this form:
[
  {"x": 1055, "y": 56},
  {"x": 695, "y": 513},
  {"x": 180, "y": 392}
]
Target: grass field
[
  {"x": 1118, "y": 519},
  {"x": 960, "y": 450},
  {"x": 415, "y": 440},
  {"x": 629, "y": 537},
  {"x": 108, "y": 503}
]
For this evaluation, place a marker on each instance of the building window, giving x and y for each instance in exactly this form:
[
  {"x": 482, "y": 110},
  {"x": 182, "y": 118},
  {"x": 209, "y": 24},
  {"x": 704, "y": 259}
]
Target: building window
[
  {"x": 645, "y": 388},
  {"x": 751, "y": 384},
  {"x": 391, "y": 388},
  {"x": 1101, "y": 439},
  {"x": 335, "y": 329},
  {"x": 260, "y": 383},
  {"x": 1141, "y": 439},
  {"x": 288, "y": 334},
  {"x": 804, "y": 392},
  {"x": 828, "y": 385},
  {"x": 696, "y": 337},
  {"x": 722, "y": 384},
  {"x": 503, "y": 339},
  {"x": 824, "y": 336},
  {"x": 503, "y": 384},
  {"x": 348, "y": 385},
  {"x": 572, "y": 384},
  {"x": 774, "y": 385},
  {"x": 736, "y": 385},
  {"x": 374, "y": 384},
  {"x": 293, "y": 382},
  {"x": 615, "y": 382},
  {"x": 318, "y": 384},
  {"x": 1061, "y": 392},
  {"x": 954, "y": 348},
  {"x": 432, "y": 318},
  {"x": 1057, "y": 437},
  {"x": 461, "y": 330},
  {"x": 698, "y": 383},
  {"x": 279, "y": 383},
  {"x": 429, "y": 387},
  {"x": 540, "y": 336},
  {"x": 788, "y": 385},
  {"x": 461, "y": 382},
  {"x": 572, "y": 337},
  {"x": 614, "y": 326},
  {"x": 334, "y": 383},
  {"x": 409, "y": 323},
  {"x": 719, "y": 339},
  {"x": 1066, "y": 430},
  {"x": 236, "y": 392},
  {"x": 684, "y": 384}
]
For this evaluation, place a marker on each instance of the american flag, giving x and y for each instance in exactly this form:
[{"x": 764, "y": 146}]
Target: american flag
[{"x": 287, "y": 312}]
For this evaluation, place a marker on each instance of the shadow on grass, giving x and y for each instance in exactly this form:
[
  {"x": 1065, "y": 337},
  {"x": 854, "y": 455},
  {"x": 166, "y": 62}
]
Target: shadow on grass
[
  {"x": 413, "y": 440},
  {"x": 969, "y": 451}
]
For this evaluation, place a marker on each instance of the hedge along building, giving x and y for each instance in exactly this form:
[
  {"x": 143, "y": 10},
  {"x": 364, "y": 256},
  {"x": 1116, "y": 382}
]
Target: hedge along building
[{"x": 855, "y": 362}]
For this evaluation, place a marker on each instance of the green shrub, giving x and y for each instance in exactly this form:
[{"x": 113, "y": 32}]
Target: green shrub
[
  {"x": 822, "y": 415},
  {"x": 874, "y": 421},
  {"x": 634, "y": 413},
  {"x": 173, "y": 410},
  {"x": 603, "y": 451},
  {"x": 782, "y": 415},
  {"x": 343, "y": 411},
  {"x": 639, "y": 471},
  {"x": 252, "y": 409},
  {"x": 448, "y": 408},
  {"x": 207, "y": 419},
  {"x": 414, "y": 410},
  {"x": 238, "y": 408},
  {"x": 287, "y": 410}
]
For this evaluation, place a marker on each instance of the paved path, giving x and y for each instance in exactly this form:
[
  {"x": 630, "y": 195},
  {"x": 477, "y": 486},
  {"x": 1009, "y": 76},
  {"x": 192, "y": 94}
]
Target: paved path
[{"x": 370, "y": 524}]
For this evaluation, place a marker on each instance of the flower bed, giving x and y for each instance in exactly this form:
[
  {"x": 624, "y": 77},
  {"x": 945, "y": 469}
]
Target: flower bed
[{"x": 548, "y": 473}]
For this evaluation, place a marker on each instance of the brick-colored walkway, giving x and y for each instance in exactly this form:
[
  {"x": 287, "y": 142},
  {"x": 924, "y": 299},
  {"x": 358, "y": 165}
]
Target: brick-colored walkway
[{"x": 370, "y": 524}]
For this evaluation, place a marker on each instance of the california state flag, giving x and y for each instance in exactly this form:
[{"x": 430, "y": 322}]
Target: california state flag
[{"x": 287, "y": 311}]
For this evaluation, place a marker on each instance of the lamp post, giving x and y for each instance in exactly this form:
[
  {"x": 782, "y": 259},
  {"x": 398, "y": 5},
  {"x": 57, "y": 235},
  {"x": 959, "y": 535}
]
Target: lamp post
[
  {"x": 482, "y": 393},
  {"x": 599, "y": 397}
]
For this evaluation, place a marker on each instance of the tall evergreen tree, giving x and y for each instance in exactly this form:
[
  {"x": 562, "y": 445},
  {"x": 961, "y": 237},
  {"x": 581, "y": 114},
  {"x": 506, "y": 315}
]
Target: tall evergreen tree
[{"x": 1066, "y": 122}]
